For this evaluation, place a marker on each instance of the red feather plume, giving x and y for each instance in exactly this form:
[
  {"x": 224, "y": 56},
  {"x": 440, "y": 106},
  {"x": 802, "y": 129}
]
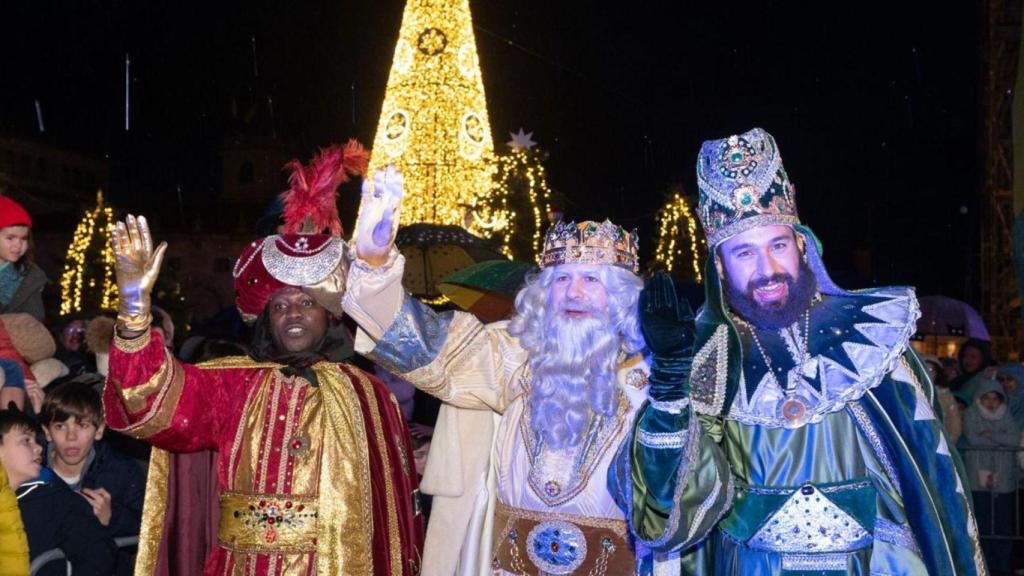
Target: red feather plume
[{"x": 314, "y": 188}]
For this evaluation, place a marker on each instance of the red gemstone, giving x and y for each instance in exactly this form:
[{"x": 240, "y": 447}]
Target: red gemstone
[
  {"x": 288, "y": 504},
  {"x": 263, "y": 503},
  {"x": 270, "y": 520},
  {"x": 554, "y": 546},
  {"x": 300, "y": 508}
]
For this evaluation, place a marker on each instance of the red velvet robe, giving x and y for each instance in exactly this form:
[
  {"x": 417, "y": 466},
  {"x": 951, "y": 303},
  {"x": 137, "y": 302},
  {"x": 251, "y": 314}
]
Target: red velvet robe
[{"x": 312, "y": 479}]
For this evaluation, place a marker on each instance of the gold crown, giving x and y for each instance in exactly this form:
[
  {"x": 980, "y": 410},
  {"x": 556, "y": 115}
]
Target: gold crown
[{"x": 590, "y": 242}]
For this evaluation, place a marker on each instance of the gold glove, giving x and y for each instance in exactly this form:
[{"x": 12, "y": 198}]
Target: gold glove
[{"x": 137, "y": 265}]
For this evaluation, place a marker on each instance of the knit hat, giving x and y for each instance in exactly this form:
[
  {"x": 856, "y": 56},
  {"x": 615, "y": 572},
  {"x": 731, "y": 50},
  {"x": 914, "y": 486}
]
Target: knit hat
[{"x": 12, "y": 214}]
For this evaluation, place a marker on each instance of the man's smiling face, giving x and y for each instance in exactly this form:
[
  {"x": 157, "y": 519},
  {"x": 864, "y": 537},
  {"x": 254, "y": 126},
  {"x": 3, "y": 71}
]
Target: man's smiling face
[{"x": 297, "y": 322}]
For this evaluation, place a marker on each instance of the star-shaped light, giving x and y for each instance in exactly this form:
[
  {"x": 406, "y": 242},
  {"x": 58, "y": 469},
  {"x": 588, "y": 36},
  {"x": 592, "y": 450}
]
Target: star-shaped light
[{"x": 521, "y": 140}]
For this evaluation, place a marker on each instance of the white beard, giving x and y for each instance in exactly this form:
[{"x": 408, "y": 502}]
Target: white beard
[{"x": 573, "y": 377}]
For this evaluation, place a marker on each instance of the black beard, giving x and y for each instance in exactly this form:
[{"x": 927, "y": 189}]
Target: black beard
[{"x": 800, "y": 294}]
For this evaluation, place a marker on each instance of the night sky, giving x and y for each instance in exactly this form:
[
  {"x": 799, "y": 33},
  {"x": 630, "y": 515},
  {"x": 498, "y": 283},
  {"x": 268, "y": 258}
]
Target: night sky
[{"x": 876, "y": 109}]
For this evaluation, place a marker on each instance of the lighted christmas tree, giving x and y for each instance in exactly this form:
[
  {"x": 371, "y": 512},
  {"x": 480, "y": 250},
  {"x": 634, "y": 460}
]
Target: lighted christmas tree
[
  {"x": 520, "y": 201},
  {"x": 88, "y": 282},
  {"x": 679, "y": 250},
  {"x": 433, "y": 125}
]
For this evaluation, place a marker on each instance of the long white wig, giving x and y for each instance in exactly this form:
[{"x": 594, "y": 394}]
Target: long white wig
[{"x": 573, "y": 361}]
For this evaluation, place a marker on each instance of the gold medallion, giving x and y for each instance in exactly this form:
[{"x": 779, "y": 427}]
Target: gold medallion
[{"x": 793, "y": 410}]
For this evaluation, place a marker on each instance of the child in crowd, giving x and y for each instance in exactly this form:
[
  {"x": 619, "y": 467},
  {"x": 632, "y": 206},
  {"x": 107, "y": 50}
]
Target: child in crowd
[
  {"x": 21, "y": 281},
  {"x": 992, "y": 435},
  {"x": 53, "y": 515},
  {"x": 113, "y": 484}
]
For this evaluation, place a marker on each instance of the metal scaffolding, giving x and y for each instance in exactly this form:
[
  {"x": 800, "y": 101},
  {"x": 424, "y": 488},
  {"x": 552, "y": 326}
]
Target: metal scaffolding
[{"x": 1000, "y": 44}]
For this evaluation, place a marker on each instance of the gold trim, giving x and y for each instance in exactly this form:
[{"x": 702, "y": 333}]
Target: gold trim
[
  {"x": 135, "y": 398},
  {"x": 236, "y": 445},
  {"x": 244, "y": 527},
  {"x": 163, "y": 409},
  {"x": 237, "y": 362},
  {"x": 132, "y": 345},
  {"x": 345, "y": 492},
  {"x": 389, "y": 489},
  {"x": 154, "y": 508},
  {"x": 289, "y": 433},
  {"x": 135, "y": 322},
  {"x": 267, "y": 451},
  {"x": 604, "y": 439}
]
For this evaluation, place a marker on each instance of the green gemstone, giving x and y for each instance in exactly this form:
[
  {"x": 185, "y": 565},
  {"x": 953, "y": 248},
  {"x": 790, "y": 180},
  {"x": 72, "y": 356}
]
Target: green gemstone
[
  {"x": 746, "y": 199},
  {"x": 736, "y": 156}
]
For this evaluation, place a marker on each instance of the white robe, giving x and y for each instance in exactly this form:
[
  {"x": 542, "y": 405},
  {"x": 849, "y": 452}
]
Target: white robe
[{"x": 480, "y": 372}]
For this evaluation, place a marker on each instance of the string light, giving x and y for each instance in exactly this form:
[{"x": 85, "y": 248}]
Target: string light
[
  {"x": 441, "y": 300},
  {"x": 521, "y": 185},
  {"x": 433, "y": 124},
  {"x": 673, "y": 218},
  {"x": 90, "y": 243}
]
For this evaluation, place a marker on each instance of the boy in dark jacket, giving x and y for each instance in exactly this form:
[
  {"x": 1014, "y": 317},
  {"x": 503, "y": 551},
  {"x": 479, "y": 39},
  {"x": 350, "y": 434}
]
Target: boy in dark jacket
[
  {"x": 54, "y": 516},
  {"x": 113, "y": 484}
]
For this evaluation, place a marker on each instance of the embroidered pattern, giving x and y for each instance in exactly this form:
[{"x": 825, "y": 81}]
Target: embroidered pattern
[
  {"x": 866, "y": 428},
  {"x": 673, "y": 407},
  {"x": 557, "y": 476},
  {"x": 662, "y": 439},
  {"x": 271, "y": 515},
  {"x": 810, "y": 522},
  {"x": 893, "y": 533},
  {"x": 812, "y": 562},
  {"x": 709, "y": 373},
  {"x": 896, "y": 312}
]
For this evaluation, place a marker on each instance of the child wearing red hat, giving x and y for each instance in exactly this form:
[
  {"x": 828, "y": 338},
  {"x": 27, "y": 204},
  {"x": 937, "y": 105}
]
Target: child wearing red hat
[{"x": 21, "y": 281}]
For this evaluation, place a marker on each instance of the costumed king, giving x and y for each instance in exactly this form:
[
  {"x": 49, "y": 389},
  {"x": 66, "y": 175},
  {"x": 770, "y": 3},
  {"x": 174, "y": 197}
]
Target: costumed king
[
  {"x": 314, "y": 462},
  {"x": 804, "y": 439},
  {"x": 563, "y": 378}
]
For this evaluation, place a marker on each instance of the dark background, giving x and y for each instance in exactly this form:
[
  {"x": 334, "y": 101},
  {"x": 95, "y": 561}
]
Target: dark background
[{"x": 875, "y": 107}]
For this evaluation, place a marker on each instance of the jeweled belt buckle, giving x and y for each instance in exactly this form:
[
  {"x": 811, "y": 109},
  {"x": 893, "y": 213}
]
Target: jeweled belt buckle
[{"x": 556, "y": 546}]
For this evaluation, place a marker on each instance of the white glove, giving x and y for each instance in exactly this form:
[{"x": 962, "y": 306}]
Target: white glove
[{"x": 378, "y": 215}]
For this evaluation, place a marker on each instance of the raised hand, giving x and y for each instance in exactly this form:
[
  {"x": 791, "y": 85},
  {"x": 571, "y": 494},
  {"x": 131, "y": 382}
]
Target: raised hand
[
  {"x": 378, "y": 215},
  {"x": 137, "y": 266},
  {"x": 666, "y": 321}
]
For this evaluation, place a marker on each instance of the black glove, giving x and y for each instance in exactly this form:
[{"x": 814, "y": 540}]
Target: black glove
[{"x": 667, "y": 324}]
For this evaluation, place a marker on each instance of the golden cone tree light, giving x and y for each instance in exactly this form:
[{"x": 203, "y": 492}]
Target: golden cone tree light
[
  {"x": 433, "y": 124},
  {"x": 88, "y": 282},
  {"x": 678, "y": 245}
]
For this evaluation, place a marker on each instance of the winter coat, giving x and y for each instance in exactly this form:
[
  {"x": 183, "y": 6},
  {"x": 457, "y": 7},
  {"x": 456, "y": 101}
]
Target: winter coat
[
  {"x": 952, "y": 419},
  {"x": 13, "y": 544},
  {"x": 56, "y": 517},
  {"x": 125, "y": 481},
  {"x": 1016, "y": 398},
  {"x": 29, "y": 296},
  {"x": 988, "y": 433}
]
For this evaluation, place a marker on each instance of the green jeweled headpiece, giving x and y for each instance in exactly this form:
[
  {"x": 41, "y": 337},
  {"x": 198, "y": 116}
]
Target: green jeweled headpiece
[{"x": 743, "y": 185}]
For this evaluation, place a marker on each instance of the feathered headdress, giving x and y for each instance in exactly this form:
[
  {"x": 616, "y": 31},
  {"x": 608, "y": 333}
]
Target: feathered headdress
[
  {"x": 309, "y": 252},
  {"x": 310, "y": 204}
]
